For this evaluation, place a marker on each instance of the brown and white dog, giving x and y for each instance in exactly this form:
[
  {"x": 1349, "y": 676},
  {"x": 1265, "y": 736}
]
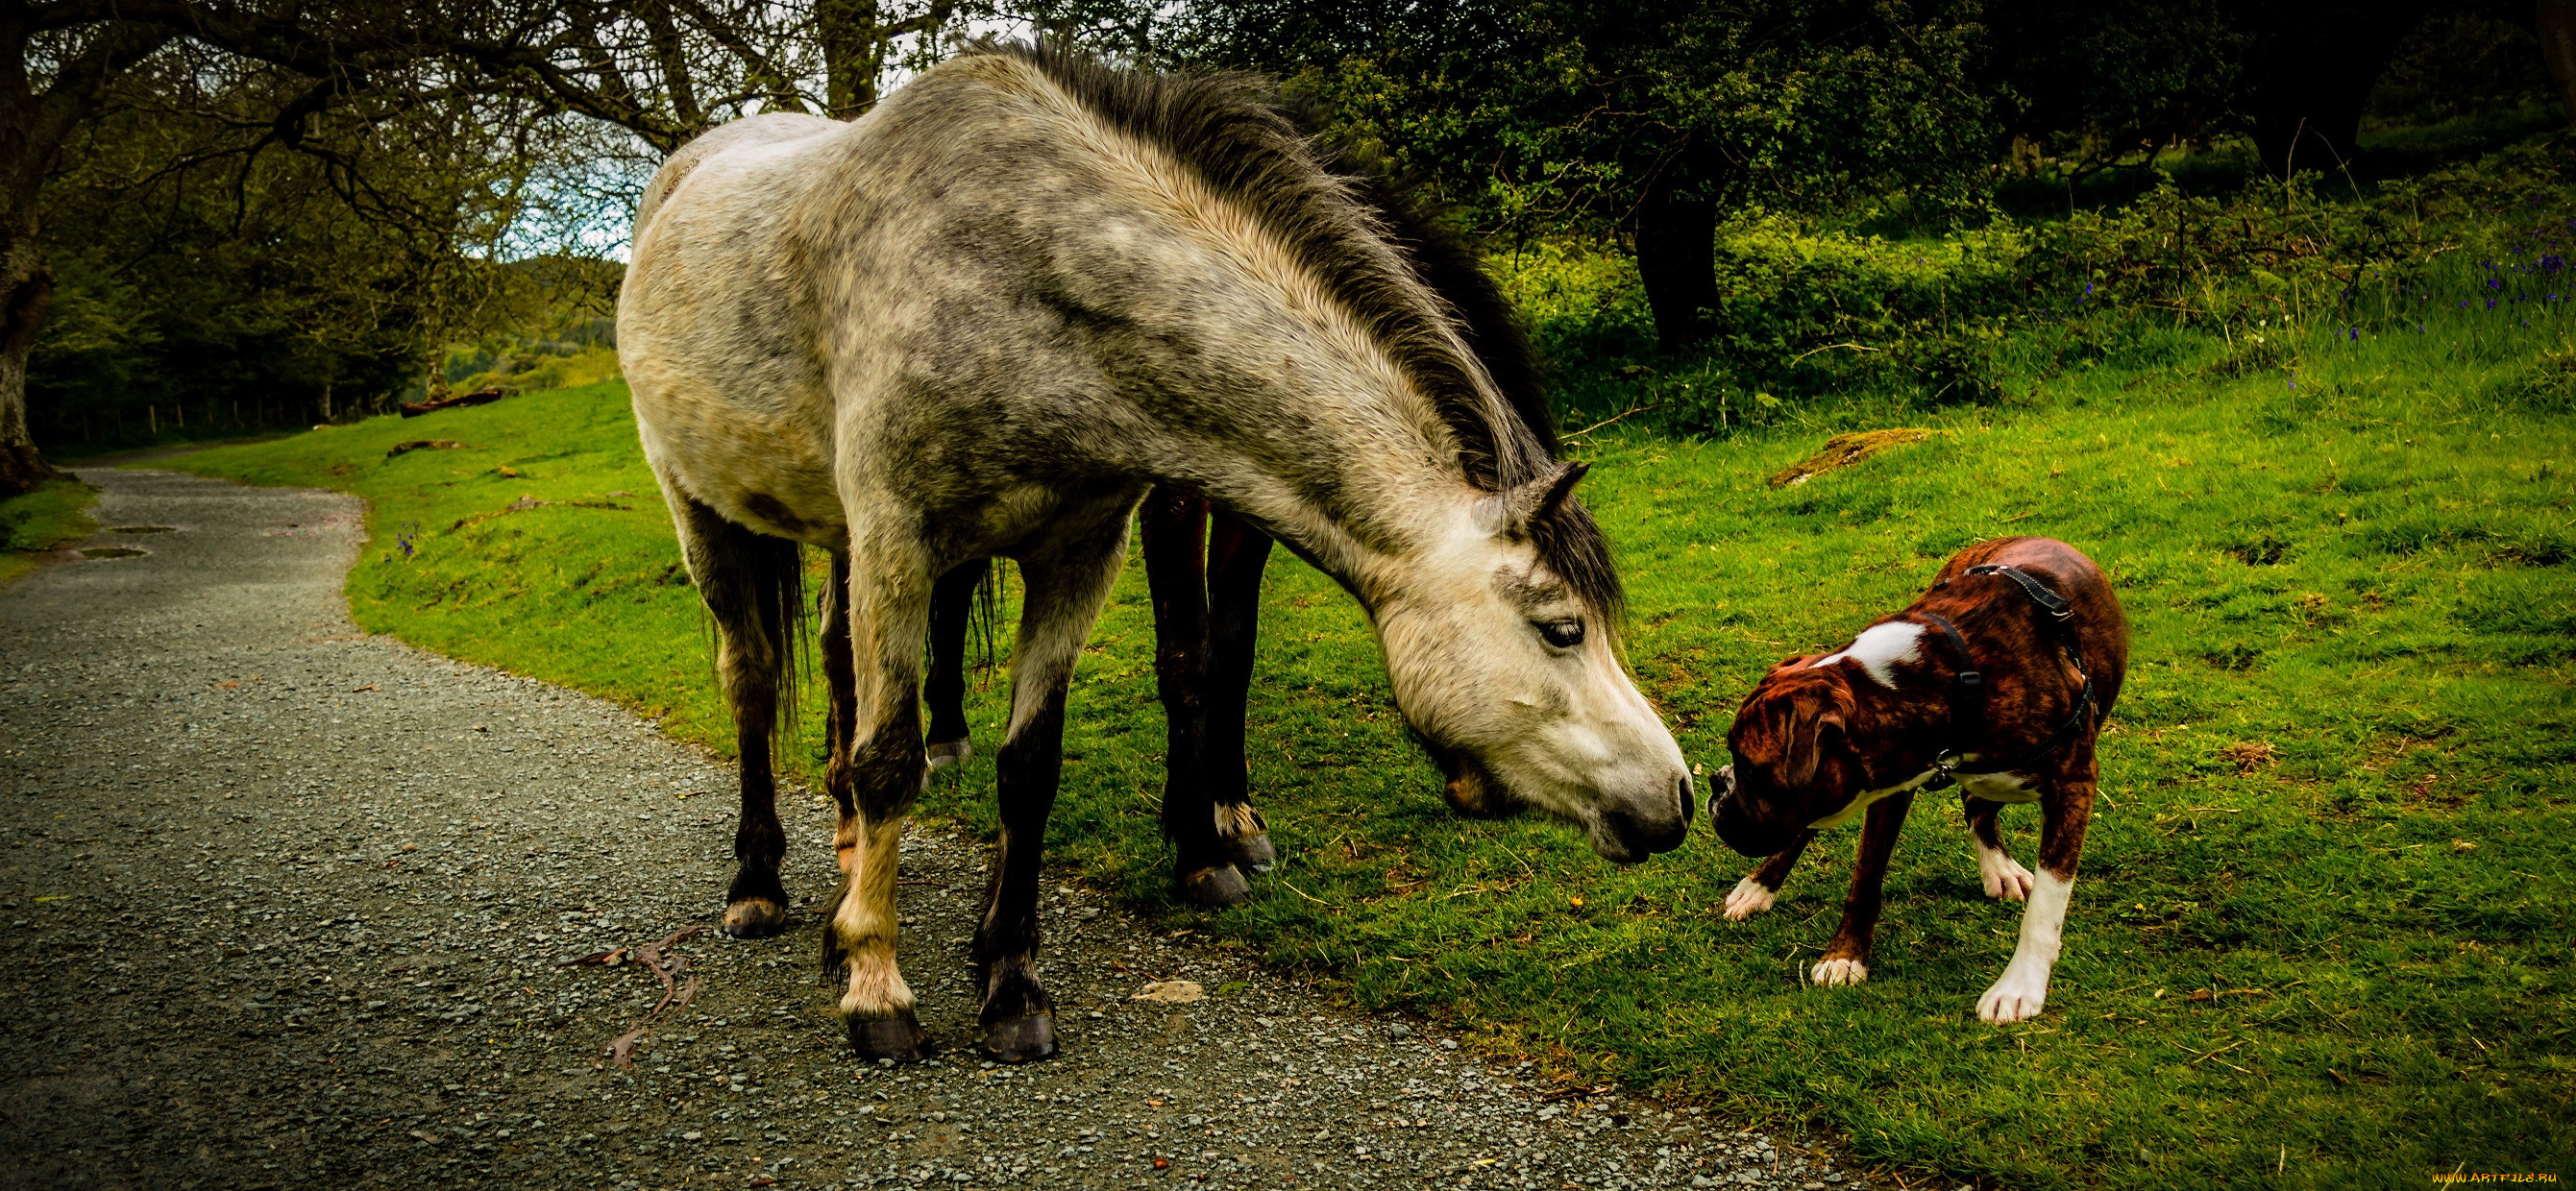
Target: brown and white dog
[{"x": 1997, "y": 679}]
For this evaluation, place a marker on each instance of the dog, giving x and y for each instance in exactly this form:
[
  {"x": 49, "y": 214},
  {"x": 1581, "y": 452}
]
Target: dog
[{"x": 1996, "y": 680}]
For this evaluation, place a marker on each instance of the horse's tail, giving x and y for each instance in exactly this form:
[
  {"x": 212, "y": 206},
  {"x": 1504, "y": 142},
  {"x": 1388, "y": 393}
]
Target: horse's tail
[
  {"x": 984, "y": 612},
  {"x": 773, "y": 577},
  {"x": 752, "y": 587}
]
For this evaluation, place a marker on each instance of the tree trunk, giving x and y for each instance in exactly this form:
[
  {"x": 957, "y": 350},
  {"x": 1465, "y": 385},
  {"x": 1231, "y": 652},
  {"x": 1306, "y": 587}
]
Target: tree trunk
[
  {"x": 2309, "y": 74},
  {"x": 1677, "y": 261},
  {"x": 2555, "y": 22},
  {"x": 26, "y": 291},
  {"x": 853, "y": 53}
]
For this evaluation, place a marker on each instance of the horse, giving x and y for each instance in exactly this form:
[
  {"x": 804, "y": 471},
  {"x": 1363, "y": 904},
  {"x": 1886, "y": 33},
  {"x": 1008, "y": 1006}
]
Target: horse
[
  {"x": 984, "y": 320},
  {"x": 1203, "y": 568}
]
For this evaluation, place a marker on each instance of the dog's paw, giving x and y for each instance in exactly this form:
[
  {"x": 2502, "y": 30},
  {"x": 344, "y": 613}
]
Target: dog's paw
[
  {"x": 2016, "y": 997},
  {"x": 1748, "y": 899},
  {"x": 2006, "y": 880},
  {"x": 1835, "y": 973}
]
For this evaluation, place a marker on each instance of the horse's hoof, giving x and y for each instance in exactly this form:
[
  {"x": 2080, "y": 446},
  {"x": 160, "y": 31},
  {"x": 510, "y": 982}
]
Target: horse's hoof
[
  {"x": 755, "y": 918},
  {"x": 1244, "y": 836},
  {"x": 899, "y": 1037},
  {"x": 950, "y": 752},
  {"x": 1252, "y": 851},
  {"x": 1023, "y": 1039},
  {"x": 1217, "y": 887}
]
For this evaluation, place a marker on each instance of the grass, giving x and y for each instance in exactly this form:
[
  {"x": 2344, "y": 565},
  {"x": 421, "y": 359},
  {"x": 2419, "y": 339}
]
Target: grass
[
  {"x": 37, "y": 523},
  {"x": 2321, "y": 936}
]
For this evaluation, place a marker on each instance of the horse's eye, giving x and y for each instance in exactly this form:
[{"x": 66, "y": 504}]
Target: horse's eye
[{"x": 1563, "y": 634}]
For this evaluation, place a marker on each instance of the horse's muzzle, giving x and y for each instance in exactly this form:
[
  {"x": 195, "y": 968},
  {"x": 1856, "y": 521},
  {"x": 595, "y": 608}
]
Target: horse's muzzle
[{"x": 1638, "y": 836}]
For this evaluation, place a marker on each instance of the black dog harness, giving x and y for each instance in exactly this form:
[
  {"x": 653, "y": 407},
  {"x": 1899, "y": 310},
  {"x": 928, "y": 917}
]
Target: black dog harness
[{"x": 1968, "y": 700}]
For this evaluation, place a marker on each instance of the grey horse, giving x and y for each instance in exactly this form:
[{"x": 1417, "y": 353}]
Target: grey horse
[{"x": 984, "y": 320}]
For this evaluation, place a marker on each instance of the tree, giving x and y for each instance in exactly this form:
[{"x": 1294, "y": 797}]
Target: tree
[
  {"x": 2095, "y": 83},
  {"x": 658, "y": 70},
  {"x": 2309, "y": 67},
  {"x": 199, "y": 262},
  {"x": 1644, "y": 121},
  {"x": 2555, "y": 23}
]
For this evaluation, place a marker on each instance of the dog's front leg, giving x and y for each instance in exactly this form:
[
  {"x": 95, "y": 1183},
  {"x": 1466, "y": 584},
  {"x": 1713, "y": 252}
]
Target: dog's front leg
[
  {"x": 1756, "y": 892},
  {"x": 2004, "y": 878},
  {"x": 1846, "y": 959},
  {"x": 2023, "y": 988}
]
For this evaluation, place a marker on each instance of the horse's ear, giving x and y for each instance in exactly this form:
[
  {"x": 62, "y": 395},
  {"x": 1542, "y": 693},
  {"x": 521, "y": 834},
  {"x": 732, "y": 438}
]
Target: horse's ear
[{"x": 1512, "y": 512}]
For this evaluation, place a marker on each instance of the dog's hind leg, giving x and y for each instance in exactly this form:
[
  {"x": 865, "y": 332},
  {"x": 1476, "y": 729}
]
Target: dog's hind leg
[
  {"x": 1846, "y": 959},
  {"x": 2065, "y": 811},
  {"x": 1756, "y": 892},
  {"x": 2004, "y": 878}
]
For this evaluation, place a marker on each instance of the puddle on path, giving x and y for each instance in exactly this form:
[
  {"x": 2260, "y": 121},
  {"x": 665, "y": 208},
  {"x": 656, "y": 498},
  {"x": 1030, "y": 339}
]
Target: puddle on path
[
  {"x": 112, "y": 552},
  {"x": 143, "y": 529}
]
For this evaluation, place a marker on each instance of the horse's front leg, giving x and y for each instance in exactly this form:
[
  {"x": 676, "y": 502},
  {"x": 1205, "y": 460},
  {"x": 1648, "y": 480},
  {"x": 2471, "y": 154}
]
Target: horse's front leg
[
  {"x": 952, "y": 612},
  {"x": 1236, "y": 555},
  {"x": 876, "y": 774},
  {"x": 1066, "y": 587},
  {"x": 1174, "y": 528},
  {"x": 2066, "y": 809}
]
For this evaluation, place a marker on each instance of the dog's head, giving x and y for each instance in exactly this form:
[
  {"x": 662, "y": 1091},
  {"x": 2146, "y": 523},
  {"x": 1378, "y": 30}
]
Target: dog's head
[{"x": 1793, "y": 763}]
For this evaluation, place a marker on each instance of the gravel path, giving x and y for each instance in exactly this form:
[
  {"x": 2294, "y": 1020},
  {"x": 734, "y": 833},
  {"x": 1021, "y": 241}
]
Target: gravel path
[{"x": 286, "y": 904}]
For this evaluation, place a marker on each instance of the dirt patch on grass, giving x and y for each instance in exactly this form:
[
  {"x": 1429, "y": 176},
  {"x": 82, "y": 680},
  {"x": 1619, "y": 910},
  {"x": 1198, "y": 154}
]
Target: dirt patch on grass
[{"x": 1843, "y": 450}]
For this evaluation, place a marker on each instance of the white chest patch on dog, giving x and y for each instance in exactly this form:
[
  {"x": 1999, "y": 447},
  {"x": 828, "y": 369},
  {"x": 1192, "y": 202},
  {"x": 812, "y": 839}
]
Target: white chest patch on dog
[{"x": 1879, "y": 647}]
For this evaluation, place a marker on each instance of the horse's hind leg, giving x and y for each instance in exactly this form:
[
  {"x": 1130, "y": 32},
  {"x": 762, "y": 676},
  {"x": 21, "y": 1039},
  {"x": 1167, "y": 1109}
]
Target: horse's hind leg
[
  {"x": 1174, "y": 526},
  {"x": 1066, "y": 587},
  {"x": 752, "y": 585},
  {"x": 952, "y": 609},
  {"x": 1236, "y": 554}
]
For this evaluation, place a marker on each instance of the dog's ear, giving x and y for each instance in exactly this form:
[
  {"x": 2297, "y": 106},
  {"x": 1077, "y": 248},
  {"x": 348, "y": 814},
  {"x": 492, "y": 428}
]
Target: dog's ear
[{"x": 1815, "y": 725}]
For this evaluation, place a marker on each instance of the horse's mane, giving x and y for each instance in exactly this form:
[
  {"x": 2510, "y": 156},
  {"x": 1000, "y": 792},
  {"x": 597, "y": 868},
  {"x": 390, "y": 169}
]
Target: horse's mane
[{"x": 1362, "y": 234}]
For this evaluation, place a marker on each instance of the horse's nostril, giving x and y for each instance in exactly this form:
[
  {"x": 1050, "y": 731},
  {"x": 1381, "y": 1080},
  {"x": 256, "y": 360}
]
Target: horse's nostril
[{"x": 1684, "y": 791}]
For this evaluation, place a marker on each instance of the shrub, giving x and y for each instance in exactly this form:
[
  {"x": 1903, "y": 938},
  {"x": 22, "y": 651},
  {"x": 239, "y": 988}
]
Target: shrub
[{"x": 1803, "y": 312}]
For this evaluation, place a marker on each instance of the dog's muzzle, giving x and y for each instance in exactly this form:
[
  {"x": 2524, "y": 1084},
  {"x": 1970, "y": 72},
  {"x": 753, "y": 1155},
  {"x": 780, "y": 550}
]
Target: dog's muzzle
[
  {"x": 1721, "y": 786},
  {"x": 1738, "y": 829}
]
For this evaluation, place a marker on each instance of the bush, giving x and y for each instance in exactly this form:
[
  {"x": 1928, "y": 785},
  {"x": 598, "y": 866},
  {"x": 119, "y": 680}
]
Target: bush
[
  {"x": 2469, "y": 260},
  {"x": 1803, "y": 312}
]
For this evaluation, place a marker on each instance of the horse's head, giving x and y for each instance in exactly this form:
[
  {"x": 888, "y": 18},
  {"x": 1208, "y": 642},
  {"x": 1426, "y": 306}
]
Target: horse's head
[{"x": 1504, "y": 658}]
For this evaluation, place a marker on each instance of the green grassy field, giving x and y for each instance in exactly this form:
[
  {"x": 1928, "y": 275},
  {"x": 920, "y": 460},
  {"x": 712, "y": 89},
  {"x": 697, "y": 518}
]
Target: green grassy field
[
  {"x": 40, "y": 522},
  {"x": 2321, "y": 937}
]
